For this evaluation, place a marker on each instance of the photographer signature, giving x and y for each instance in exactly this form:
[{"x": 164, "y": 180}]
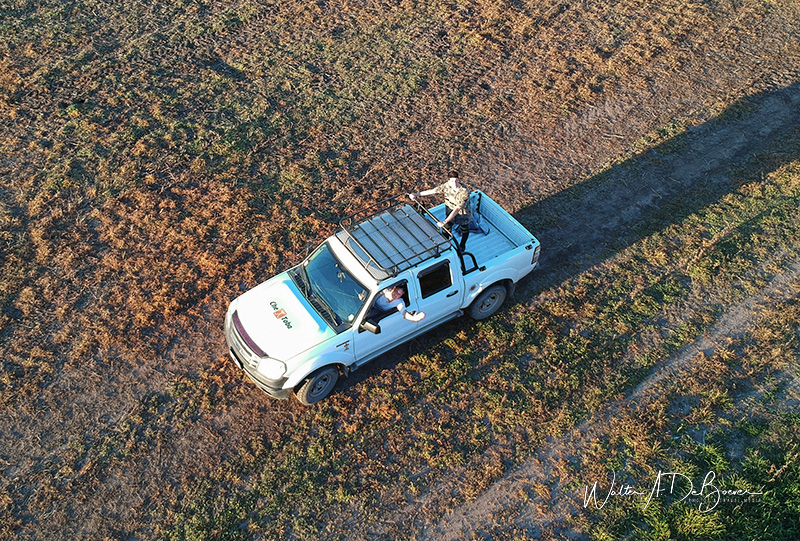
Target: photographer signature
[{"x": 668, "y": 484}]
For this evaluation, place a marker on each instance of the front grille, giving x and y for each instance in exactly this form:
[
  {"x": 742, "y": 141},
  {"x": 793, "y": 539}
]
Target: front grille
[
  {"x": 251, "y": 363},
  {"x": 239, "y": 347}
]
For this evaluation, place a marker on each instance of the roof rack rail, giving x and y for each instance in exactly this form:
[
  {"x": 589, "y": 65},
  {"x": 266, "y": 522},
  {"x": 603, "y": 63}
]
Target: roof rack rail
[{"x": 391, "y": 237}]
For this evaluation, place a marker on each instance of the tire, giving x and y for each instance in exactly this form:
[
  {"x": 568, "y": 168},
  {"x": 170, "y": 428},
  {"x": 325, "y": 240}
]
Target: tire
[
  {"x": 317, "y": 385},
  {"x": 488, "y": 302}
]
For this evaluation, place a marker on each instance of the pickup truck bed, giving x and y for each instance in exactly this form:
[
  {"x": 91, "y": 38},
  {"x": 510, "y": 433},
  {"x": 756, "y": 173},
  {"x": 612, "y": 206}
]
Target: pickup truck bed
[{"x": 504, "y": 234}]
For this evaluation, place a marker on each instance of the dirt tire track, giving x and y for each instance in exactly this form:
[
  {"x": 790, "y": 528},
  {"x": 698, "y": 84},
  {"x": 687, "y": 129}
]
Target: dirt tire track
[
  {"x": 513, "y": 490},
  {"x": 638, "y": 190}
]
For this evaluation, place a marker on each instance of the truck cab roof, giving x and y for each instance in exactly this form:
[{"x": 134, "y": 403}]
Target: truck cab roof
[{"x": 391, "y": 239}]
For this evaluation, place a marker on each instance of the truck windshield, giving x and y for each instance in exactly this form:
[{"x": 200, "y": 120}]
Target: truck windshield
[{"x": 341, "y": 295}]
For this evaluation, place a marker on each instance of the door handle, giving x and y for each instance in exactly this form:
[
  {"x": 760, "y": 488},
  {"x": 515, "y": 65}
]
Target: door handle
[{"x": 453, "y": 293}]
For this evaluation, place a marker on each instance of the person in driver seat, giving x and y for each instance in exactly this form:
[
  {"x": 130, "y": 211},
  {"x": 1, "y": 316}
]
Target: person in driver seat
[{"x": 391, "y": 298}]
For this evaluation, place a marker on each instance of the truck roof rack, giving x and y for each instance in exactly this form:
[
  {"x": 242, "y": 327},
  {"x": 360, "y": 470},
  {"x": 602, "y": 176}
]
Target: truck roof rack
[{"x": 391, "y": 237}]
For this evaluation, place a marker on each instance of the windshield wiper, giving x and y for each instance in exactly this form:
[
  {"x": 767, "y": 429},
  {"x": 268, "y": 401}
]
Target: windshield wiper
[
  {"x": 321, "y": 304},
  {"x": 301, "y": 279}
]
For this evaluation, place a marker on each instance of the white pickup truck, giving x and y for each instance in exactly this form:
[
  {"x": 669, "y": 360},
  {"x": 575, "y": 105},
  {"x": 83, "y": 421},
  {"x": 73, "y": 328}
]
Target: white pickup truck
[{"x": 302, "y": 329}]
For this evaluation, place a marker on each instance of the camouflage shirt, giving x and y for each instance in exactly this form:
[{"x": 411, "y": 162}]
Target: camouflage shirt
[{"x": 455, "y": 198}]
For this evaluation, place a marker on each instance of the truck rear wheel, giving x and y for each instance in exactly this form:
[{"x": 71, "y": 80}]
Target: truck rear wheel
[
  {"x": 317, "y": 385},
  {"x": 488, "y": 302}
]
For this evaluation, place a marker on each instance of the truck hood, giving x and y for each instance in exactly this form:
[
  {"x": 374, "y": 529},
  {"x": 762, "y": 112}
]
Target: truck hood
[{"x": 279, "y": 319}]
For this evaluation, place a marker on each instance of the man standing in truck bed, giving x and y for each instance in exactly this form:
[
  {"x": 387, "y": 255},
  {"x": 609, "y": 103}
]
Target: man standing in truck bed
[{"x": 456, "y": 200}]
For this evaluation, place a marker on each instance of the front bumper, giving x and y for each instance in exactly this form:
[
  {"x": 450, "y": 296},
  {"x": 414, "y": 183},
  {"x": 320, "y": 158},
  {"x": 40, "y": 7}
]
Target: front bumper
[
  {"x": 280, "y": 394},
  {"x": 248, "y": 362}
]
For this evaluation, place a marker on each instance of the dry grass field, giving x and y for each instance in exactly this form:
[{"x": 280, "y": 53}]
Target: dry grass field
[{"x": 159, "y": 158}]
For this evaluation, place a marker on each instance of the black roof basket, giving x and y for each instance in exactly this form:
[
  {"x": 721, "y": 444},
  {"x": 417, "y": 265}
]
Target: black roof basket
[{"x": 391, "y": 237}]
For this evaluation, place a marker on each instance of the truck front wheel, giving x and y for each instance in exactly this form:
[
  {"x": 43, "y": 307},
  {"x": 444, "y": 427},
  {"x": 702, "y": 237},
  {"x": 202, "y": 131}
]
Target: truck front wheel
[
  {"x": 317, "y": 385},
  {"x": 488, "y": 302}
]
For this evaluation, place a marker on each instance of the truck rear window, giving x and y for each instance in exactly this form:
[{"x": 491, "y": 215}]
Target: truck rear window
[{"x": 435, "y": 279}]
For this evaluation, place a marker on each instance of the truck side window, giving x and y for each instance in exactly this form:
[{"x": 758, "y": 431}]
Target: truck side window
[
  {"x": 434, "y": 279},
  {"x": 375, "y": 314}
]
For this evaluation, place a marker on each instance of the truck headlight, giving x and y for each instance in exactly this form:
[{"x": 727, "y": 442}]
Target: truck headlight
[{"x": 271, "y": 368}]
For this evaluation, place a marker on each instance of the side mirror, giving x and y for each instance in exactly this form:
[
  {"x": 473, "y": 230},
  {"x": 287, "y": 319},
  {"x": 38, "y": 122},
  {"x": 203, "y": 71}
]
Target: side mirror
[{"x": 371, "y": 327}]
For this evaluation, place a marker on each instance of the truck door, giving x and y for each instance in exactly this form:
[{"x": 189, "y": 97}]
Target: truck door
[
  {"x": 439, "y": 291},
  {"x": 394, "y": 328}
]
